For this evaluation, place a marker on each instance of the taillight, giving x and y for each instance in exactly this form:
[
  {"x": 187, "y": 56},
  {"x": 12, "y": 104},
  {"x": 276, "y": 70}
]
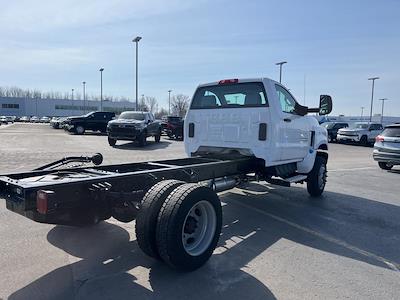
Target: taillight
[
  {"x": 228, "y": 81},
  {"x": 380, "y": 138},
  {"x": 42, "y": 201}
]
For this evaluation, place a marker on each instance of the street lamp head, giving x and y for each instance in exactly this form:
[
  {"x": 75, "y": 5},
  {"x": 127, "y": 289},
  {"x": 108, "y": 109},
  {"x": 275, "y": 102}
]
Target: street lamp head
[
  {"x": 373, "y": 78},
  {"x": 84, "y": 82},
  {"x": 169, "y": 91},
  {"x": 101, "y": 70},
  {"x": 137, "y": 39},
  {"x": 383, "y": 99},
  {"x": 281, "y": 63}
]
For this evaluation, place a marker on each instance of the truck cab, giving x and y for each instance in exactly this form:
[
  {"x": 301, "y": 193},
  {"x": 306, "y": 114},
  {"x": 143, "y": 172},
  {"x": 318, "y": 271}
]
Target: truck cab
[{"x": 255, "y": 117}]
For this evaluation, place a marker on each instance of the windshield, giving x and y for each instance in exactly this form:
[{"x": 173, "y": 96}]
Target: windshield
[
  {"x": 249, "y": 94},
  {"x": 131, "y": 116},
  {"x": 360, "y": 126}
]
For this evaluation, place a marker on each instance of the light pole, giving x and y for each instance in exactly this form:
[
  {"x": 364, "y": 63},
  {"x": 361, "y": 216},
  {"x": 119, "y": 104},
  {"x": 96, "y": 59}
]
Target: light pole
[
  {"x": 169, "y": 102},
  {"x": 280, "y": 69},
  {"x": 142, "y": 103},
  {"x": 72, "y": 98},
  {"x": 362, "y": 112},
  {"x": 383, "y": 104},
  {"x": 84, "y": 96},
  {"x": 136, "y": 40},
  {"x": 101, "y": 88},
  {"x": 372, "y": 96}
]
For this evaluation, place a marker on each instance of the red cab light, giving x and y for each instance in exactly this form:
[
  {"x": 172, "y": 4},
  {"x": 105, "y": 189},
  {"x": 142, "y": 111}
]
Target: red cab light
[
  {"x": 228, "y": 81},
  {"x": 42, "y": 201},
  {"x": 380, "y": 138}
]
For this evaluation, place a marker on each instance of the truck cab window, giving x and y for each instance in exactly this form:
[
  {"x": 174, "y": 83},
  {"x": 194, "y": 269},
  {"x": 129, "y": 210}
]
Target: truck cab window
[{"x": 286, "y": 100}]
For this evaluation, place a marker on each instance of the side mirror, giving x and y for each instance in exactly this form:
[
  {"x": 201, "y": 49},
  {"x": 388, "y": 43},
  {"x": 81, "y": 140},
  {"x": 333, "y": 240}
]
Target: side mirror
[{"x": 325, "y": 105}]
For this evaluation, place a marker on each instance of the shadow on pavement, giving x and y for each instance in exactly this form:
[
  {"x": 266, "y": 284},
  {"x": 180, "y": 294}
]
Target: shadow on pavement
[
  {"x": 151, "y": 145},
  {"x": 110, "y": 266}
]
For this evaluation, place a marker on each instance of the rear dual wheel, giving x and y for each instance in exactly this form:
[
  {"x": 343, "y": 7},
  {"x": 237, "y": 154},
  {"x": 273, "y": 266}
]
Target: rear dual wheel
[{"x": 188, "y": 224}]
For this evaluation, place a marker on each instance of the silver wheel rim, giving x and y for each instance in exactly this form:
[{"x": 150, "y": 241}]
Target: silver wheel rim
[
  {"x": 79, "y": 129},
  {"x": 322, "y": 177},
  {"x": 199, "y": 228}
]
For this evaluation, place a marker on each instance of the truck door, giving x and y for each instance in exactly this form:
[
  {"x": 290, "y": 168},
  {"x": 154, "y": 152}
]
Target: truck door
[{"x": 295, "y": 134}]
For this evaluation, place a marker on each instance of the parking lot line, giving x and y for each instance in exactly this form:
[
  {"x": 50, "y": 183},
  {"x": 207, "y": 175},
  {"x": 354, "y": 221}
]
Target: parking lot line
[{"x": 326, "y": 237}]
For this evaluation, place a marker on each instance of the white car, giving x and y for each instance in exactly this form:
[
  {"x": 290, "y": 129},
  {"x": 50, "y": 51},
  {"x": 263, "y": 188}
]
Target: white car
[
  {"x": 363, "y": 133},
  {"x": 35, "y": 119},
  {"x": 259, "y": 117},
  {"x": 4, "y": 120}
]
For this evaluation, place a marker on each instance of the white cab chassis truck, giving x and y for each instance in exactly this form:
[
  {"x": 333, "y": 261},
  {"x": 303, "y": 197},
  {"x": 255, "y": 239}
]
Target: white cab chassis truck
[
  {"x": 260, "y": 118},
  {"x": 236, "y": 131}
]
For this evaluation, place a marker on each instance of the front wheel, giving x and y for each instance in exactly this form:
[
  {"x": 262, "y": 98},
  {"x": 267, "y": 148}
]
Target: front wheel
[
  {"x": 316, "y": 180},
  {"x": 385, "y": 166},
  {"x": 142, "y": 139},
  {"x": 188, "y": 226},
  {"x": 80, "y": 130},
  {"x": 112, "y": 142},
  {"x": 157, "y": 137}
]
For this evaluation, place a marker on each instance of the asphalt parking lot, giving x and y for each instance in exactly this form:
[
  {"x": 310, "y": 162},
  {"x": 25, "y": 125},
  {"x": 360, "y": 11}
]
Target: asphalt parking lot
[{"x": 276, "y": 241}]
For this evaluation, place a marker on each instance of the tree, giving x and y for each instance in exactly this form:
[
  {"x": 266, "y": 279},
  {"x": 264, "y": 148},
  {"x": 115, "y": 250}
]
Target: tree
[
  {"x": 151, "y": 103},
  {"x": 161, "y": 113},
  {"x": 142, "y": 105},
  {"x": 180, "y": 104}
]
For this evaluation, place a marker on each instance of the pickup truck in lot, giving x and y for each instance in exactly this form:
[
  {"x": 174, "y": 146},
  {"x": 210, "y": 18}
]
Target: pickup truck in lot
[
  {"x": 134, "y": 126},
  {"x": 95, "y": 121},
  {"x": 363, "y": 133},
  {"x": 236, "y": 131}
]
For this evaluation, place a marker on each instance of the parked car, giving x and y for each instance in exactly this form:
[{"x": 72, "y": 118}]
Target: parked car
[
  {"x": 363, "y": 133},
  {"x": 95, "y": 121},
  {"x": 4, "y": 120},
  {"x": 11, "y": 118},
  {"x": 24, "y": 119},
  {"x": 173, "y": 127},
  {"x": 332, "y": 128},
  {"x": 35, "y": 119},
  {"x": 55, "y": 122},
  {"x": 387, "y": 147},
  {"x": 44, "y": 120},
  {"x": 133, "y": 126}
]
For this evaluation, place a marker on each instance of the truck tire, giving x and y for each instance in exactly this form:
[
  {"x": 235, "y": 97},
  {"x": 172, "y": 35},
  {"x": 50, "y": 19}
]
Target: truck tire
[
  {"x": 112, "y": 142},
  {"x": 79, "y": 129},
  {"x": 317, "y": 177},
  {"x": 146, "y": 220},
  {"x": 188, "y": 226},
  {"x": 157, "y": 137},
  {"x": 384, "y": 165},
  {"x": 142, "y": 139}
]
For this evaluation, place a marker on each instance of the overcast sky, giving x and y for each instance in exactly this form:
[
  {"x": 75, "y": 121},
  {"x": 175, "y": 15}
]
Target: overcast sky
[{"x": 335, "y": 45}]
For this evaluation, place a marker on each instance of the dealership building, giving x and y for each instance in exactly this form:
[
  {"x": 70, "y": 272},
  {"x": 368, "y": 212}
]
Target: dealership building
[{"x": 57, "y": 107}]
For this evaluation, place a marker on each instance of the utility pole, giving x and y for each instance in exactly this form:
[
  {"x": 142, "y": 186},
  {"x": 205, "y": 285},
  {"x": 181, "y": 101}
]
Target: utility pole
[
  {"x": 383, "y": 104},
  {"x": 169, "y": 102},
  {"x": 136, "y": 40},
  {"x": 362, "y": 112},
  {"x": 280, "y": 69},
  {"x": 372, "y": 96}
]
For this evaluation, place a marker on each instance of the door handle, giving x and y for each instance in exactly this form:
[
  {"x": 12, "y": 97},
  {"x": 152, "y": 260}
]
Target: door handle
[{"x": 287, "y": 120}]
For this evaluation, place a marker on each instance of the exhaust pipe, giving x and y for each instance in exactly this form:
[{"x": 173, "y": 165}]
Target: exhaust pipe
[{"x": 224, "y": 183}]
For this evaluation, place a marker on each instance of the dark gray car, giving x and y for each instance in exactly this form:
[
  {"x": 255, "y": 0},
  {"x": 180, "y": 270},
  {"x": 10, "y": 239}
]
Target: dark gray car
[
  {"x": 387, "y": 147},
  {"x": 133, "y": 126}
]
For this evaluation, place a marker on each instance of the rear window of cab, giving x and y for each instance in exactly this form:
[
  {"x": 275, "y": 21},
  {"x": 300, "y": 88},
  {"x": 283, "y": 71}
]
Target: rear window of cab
[
  {"x": 249, "y": 94},
  {"x": 391, "y": 132}
]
